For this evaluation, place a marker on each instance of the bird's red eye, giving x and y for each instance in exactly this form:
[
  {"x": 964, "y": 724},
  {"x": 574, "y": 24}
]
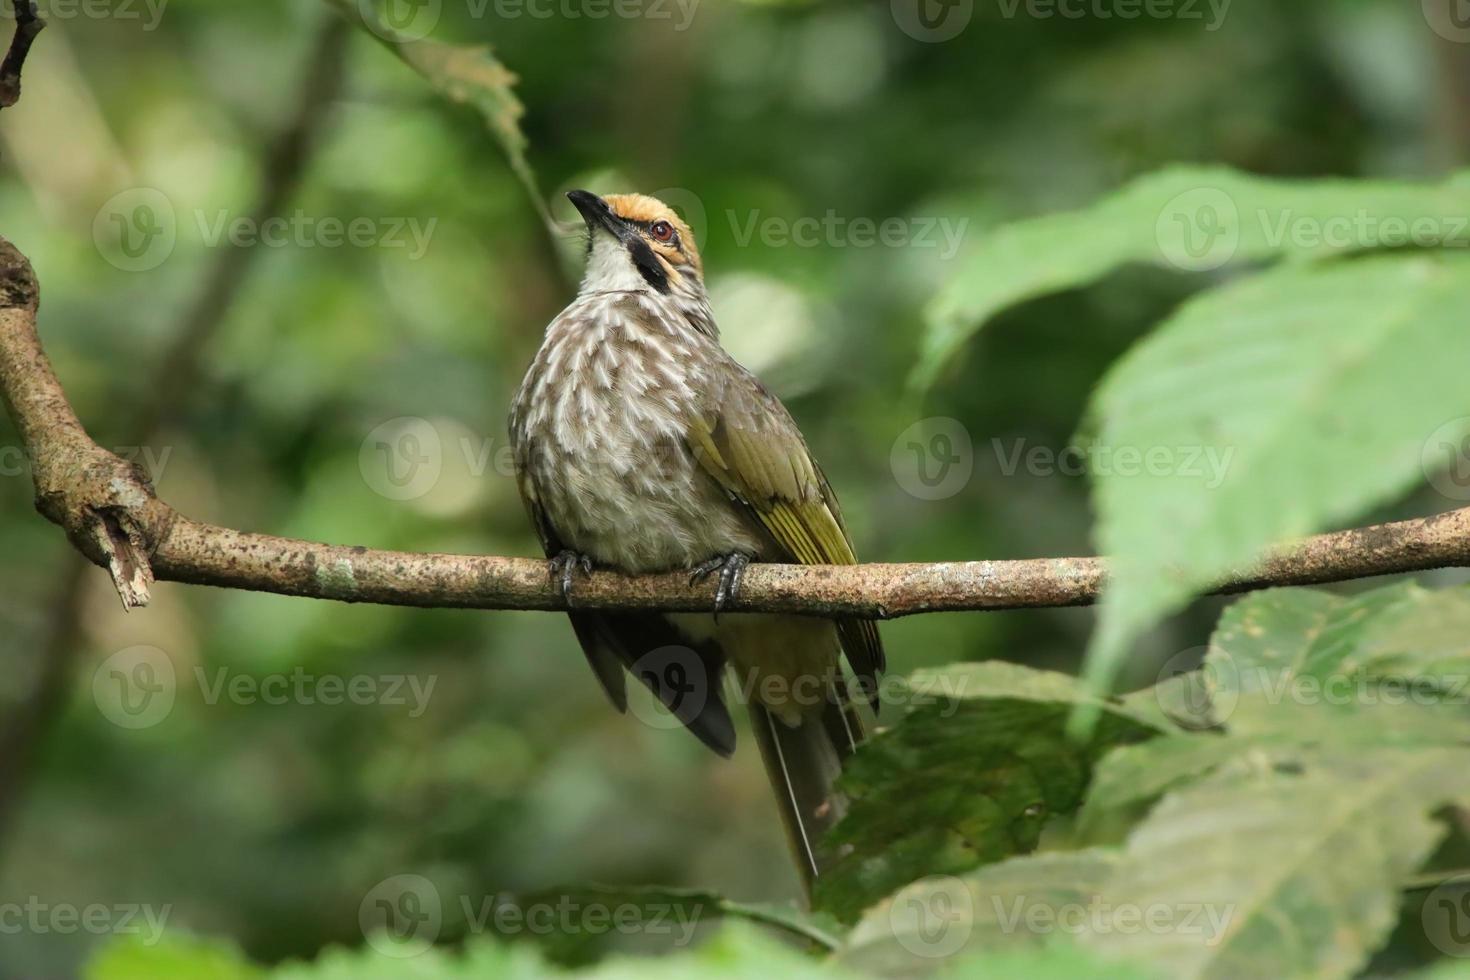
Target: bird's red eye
[{"x": 661, "y": 230}]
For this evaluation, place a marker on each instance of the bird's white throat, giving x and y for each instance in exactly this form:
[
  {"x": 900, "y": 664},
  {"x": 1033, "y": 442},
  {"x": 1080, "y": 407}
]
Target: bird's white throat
[{"x": 610, "y": 267}]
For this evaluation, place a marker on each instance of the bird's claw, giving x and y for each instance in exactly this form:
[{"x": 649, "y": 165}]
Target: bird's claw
[
  {"x": 563, "y": 565},
  {"x": 731, "y": 568}
]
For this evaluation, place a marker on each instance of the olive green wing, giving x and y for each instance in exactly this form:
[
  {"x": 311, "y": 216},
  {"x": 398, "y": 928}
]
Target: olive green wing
[{"x": 747, "y": 441}]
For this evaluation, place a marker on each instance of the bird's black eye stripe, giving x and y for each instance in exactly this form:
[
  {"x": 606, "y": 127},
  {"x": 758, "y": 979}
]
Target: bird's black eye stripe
[{"x": 647, "y": 264}]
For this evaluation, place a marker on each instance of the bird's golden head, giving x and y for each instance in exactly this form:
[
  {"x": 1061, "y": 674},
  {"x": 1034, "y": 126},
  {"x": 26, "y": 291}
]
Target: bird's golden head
[{"x": 635, "y": 235}]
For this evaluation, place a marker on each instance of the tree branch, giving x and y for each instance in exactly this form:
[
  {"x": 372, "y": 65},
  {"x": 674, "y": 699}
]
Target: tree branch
[{"x": 111, "y": 513}]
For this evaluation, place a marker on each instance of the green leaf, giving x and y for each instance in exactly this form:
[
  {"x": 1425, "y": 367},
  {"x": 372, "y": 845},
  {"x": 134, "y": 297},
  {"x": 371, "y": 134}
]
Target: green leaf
[
  {"x": 935, "y": 920},
  {"x": 1240, "y": 873},
  {"x": 1263, "y": 411},
  {"x": 1297, "y": 872},
  {"x": 466, "y": 74},
  {"x": 1131, "y": 778},
  {"x": 969, "y": 775},
  {"x": 1055, "y": 962},
  {"x": 1310, "y": 665},
  {"x": 176, "y": 956},
  {"x": 1187, "y": 218},
  {"x": 675, "y": 912},
  {"x": 736, "y": 952},
  {"x": 478, "y": 959},
  {"x": 1424, "y": 639}
]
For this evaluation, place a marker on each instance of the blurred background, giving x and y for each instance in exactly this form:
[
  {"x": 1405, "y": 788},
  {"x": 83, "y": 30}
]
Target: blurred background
[{"x": 259, "y": 764}]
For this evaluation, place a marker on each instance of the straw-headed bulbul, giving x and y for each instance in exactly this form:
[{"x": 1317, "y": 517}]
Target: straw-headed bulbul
[{"x": 642, "y": 446}]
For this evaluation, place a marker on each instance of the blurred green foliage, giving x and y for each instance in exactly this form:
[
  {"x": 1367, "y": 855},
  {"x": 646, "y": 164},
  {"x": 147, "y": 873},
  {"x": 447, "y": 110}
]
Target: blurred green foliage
[{"x": 270, "y": 823}]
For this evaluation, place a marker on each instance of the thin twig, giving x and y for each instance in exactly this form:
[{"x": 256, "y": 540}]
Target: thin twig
[{"x": 28, "y": 24}]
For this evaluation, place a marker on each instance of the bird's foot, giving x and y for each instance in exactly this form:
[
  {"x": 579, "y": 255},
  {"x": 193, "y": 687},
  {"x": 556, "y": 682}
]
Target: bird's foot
[
  {"x": 731, "y": 568},
  {"x": 563, "y": 565}
]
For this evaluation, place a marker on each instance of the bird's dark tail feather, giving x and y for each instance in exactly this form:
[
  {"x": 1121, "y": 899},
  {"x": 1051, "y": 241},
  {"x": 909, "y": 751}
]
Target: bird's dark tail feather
[{"x": 803, "y": 763}]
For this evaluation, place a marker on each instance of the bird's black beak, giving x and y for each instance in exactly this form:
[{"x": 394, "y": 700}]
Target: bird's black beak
[{"x": 597, "y": 214}]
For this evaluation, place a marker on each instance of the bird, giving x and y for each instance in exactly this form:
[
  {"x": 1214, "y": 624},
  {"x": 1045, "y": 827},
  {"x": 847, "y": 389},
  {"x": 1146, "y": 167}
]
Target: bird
[{"x": 640, "y": 445}]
